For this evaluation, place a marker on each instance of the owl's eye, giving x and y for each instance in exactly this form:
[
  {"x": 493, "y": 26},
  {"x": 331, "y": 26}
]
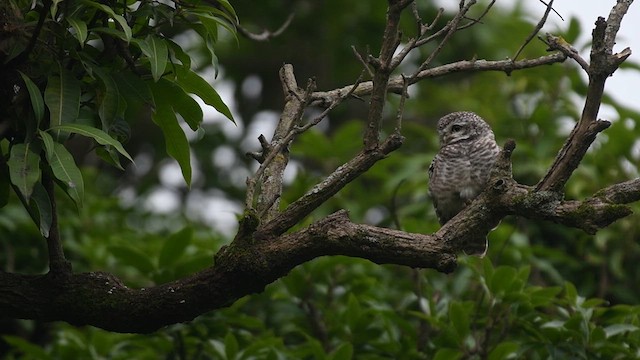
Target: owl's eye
[{"x": 456, "y": 128}]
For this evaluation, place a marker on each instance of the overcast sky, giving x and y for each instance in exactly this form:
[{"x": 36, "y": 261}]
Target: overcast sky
[{"x": 624, "y": 85}]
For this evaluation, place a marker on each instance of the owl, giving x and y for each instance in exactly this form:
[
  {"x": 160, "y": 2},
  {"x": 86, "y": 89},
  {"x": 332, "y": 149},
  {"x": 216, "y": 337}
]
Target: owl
[{"x": 461, "y": 168}]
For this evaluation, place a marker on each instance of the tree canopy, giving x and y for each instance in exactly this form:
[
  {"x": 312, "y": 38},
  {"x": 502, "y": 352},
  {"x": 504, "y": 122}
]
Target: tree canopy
[{"x": 300, "y": 225}]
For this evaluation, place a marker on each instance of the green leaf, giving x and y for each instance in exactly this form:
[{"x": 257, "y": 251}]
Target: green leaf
[
  {"x": 80, "y": 28},
  {"x": 354, "y": 311},
  {"x": 504, "y": 350},
  {"x": 570, "y": 292},
  {"x": 180, "y": 101},
  {"x": 110, "y": 100},
  {"x": 5, "y": 183},
  {"x": 132, "y": 257},
  {"x": 460, "y": 319},
  {"x": 194, "y": 84},
  {"x": 179, "y": 54},
  {"x": 54, "y": 8},
  {"x": 37, "y": 103},
  {"x": 110, "y": 156},
  {"x": 212, "y": 22},
  {"x": 175, "y": 139},
  {"x": 164, "y": 116},
  {"x": 132, "y": 86},
  {"x": 64, "y": 168},
  {"x": 98, "y": 135},
  {"x": 174, "y": 247},
  {"x": 447, "y": 354},
  {"x": 156, "y": 50},
  {"x": 24, "y": 168},
  {"x": 616, "y": 329},
  {"x": 62, "y": 97},
  {"x": 109, "y": 11},
  {"x": 41, "y": 205},
  {"x": 27, "y": 349},
  {"x": 502, "y": 279},
  {"x": 343, "y": 352},
  {"x": 231, "y": 346}
]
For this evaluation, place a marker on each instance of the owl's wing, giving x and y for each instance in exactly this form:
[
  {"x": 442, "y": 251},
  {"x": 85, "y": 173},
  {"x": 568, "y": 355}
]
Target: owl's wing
[
  {"x": 434, "y": 199},
  {"x": 431, "y": 166}
]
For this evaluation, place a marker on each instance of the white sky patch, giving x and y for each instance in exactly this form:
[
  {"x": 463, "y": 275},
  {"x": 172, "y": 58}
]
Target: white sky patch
[
  {"x": 264, "y": 122},
  {"x": 224, "y": 157},
  {"x": 162, "y": 200},
  {"x": 213, "y": 208},
  {"x": 251, "y": 87}
]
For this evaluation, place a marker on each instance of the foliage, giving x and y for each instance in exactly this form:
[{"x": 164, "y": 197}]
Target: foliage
[
  {"x": 99, "y": 69},
  {"x": 543, "y": 291}
]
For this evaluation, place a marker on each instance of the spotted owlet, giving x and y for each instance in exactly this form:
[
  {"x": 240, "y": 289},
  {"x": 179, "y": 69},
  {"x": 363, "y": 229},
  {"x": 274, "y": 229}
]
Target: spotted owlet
[{"x": 461, "y": 168}]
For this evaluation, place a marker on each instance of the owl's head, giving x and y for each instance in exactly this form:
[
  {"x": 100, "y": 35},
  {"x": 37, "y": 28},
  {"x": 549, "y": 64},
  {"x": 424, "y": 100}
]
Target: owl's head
[{"x": 462, "y": 126}]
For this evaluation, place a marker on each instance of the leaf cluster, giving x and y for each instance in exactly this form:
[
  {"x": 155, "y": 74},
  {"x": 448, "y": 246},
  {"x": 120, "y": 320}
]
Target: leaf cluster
[{"x": 95, "y": 70}]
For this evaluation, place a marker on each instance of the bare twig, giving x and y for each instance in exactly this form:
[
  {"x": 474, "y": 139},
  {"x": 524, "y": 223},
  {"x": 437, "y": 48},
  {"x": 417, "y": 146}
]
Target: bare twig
[
  {"x": 479, "y": 19},
  {"x": 364, "y": 63},
  {"x": 451, "y": 28},
  {"x": 265, "y": 35},
  {"x": 403, "y": 97},
  {"x": 322, "y": 98},
  {"x": 536, "y": 30}
]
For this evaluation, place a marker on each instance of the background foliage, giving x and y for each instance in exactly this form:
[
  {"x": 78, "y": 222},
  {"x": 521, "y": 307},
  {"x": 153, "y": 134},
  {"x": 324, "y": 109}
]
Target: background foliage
[{"x": 543, "y": 291}]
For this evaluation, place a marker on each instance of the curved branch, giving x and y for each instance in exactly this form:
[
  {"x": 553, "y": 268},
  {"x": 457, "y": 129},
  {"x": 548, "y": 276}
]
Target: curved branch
[{"x": 265, "y": 35}]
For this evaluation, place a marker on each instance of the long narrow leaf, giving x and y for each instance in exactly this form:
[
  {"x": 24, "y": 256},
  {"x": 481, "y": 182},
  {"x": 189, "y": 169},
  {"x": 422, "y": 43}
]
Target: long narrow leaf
[
  {"x": 182, "y": 103},
  {"x": 64, "y": 168},
  {"x": 131, "y": 86},
  {"x": 158, "y": 55},
  {"x": 174, "y": 247},
  {"x": 132, "y": 257},
  {"x": 41, "y": 203},
  {"x": 62, "y": 96},
  {"x": 37, "y": 102},
  {"x": 175, "y": 139},
  {"x": 80, "y": 29},
  {"x": 194, "y": 84},
  {"x": 118, "y": 18},
  {"x": 110, "y": 100},
  {"x": 24, "y": 168},
  {"x": 98, "y": 135},
  {"x": 5, "y": 184},
  {"x": 179, "y": 53}
]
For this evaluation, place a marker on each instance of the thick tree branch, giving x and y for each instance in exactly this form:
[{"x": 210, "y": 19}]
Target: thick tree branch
[
  {"x": 250, "y": 263},
  {"x": 275, "y": 155},
  {"x": 383, "y": 69}
]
